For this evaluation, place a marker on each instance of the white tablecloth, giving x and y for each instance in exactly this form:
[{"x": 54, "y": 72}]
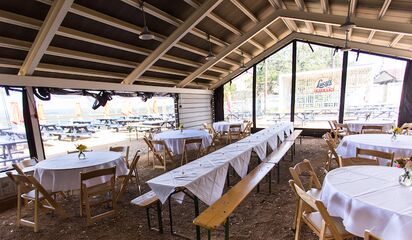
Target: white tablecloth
[
  {"x": 206, "y": 176},
  {"x": 175, "y": 139},
  {"x": 63, "y": 173},
  {"x": 370, "y": 197},
  {"x": 356, "y": 125},
  {"x": 402, "y": 147},
  {"x": 224, "y": 126}
]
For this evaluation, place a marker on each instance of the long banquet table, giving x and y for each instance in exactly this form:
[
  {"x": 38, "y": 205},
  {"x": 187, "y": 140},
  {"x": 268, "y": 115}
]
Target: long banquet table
[{"x": 205, "y": 177}]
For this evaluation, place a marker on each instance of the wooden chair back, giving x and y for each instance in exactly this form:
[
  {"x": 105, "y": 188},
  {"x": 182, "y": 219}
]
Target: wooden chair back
[
  {"x": 354, "y": 161},
  {"x": 303, "y": 169},
  {"x": 161, "y": 152},
  {"x": 369, "y": 236},
  {"x": 247, "y": 131},
  {"x": 133, "y": 173},
  {"x": 406, "y": 127},
  {"x": 125, "y": 150},
  {"x": 371, "y": 129},
  {"x": 197, "y": 151},
  {"x": 341, "y": 129},
  {"x": 87, "y": 193},
  {"x": 376, "y": 154},
  {"x": 235, "y": 132},
  {"x": 18, "y": 168},
  {"x": 306, "y": 199},
  {"x": 332, "y": 154}
]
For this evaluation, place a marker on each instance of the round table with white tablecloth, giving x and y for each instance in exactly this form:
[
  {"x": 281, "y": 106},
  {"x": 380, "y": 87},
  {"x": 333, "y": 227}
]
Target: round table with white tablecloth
[
  {"x": 356, "y": 125},
  {"x": 63, "y": 173},
  {"x": 223, "y": 126},
  {"x": 402, "y": 147},
  {"x": 174, "y": 139},
  {"x": 369, "y": 197}
]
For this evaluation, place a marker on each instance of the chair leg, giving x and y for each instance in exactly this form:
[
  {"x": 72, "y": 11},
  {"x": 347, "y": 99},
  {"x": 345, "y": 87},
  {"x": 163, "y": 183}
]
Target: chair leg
[
  {"x": 36, "y": 211},
  {"x": 18, "y": 206},
  {"x": 299, "y": 221}
]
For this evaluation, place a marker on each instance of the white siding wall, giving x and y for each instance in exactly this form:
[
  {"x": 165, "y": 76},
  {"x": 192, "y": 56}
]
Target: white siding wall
[{"x": 194, "y": 110}]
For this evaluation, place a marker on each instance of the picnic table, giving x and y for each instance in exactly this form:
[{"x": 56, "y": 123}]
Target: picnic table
[
  {"x": 20, "y": 133},
  {"x": 73, "y": 131},
  {"x": 82, "y": 122},
  {"x": 8, "y": 146}
]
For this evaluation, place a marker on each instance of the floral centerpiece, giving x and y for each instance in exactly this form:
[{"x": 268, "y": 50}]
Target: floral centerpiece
[
  {"x": 180, "y": 127},
  {"x": 81, "y": 148},
  {"x": 405, "y": 163},
  {"x": 395, "y": 131}
]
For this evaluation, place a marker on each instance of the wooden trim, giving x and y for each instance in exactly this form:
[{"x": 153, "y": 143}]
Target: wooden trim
[
  {"x": 279, "y": 4},
  {"x": 302, "y": 7},
  {"x": 178, "y": 34},
  {"x": 380, "y": 15},
  {"x": 396, "y": 40}
]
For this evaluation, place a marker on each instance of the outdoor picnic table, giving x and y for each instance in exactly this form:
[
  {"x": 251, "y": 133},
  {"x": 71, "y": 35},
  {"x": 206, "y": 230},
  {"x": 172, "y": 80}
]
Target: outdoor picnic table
[
  {"x": 107, "y": 120},
  {"x": 8, "y": 145},
  {"x": 82, "y": 122},
  {"x": 123, "y": 122},
  {"x": 20, "y": 133},
  {"x": 73, "y": 131}
]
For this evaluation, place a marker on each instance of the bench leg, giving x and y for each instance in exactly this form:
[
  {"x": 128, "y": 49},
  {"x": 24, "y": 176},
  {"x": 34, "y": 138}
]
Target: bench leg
[
  {"x": 278, "y": 172},
  {"x": 228, "y": 178},
  {"x": 159, "y": 216},
  {"x": 270, "y": 181},
  {"x": 227, "y": 229},
  {"x": 209, "y": 235},
  {"x": 148, "y": 217},
  {"x": 171, "y": 217},
  {"x": 196, "y": 200}
]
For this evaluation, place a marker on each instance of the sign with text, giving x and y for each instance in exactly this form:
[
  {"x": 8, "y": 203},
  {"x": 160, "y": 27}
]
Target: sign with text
[{"x": 324, "y": 85}]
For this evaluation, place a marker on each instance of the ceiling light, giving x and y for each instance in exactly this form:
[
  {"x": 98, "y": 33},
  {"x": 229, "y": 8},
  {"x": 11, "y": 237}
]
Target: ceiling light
[
  {"x": 348, "y": 24},
  {"x": 210, "y": 55},
  {"x": 145, "y": 34}
]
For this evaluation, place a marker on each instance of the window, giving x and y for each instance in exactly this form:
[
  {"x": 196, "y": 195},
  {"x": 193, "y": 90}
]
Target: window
[
  {"x": 13, "y": 133},
  {"x": 67, "y": 120},
  {"x": 318, "y": 80},
  {"x": 373, "y": 87},
  {"x": 238, "y": 97},
  {"x": 273, "y": 88}
]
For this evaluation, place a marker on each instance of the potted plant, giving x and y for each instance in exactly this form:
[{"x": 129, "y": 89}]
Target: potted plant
[
  {"x": 81, "y": 148},
  {"x": 395, "y": 131}
]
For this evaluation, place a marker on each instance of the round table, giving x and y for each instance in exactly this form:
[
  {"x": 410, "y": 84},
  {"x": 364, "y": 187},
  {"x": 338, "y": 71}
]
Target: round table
[
  {"x": 369, "y": 197},
  {"x": 63, "y": 173},
  {"x": 174, "y": 139},
  {"x": 402, "y": 147},
  {"x": 356, "y": 125},
  {"x": 223, "y": 126}
]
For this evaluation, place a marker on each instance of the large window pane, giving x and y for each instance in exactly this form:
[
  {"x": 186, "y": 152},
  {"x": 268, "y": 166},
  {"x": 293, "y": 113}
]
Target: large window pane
[
  {"x": 273, "y": 88},
  {"x": 67, "y": 120},
  {"x": 318, "y": 79},
  {"x": 238, "y": 97},
  {"x": 13, "y": 140},
  {"x": 373, "y": 87}
]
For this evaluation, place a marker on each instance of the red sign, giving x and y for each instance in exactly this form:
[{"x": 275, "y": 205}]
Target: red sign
[{"x": 324, "y": 85}]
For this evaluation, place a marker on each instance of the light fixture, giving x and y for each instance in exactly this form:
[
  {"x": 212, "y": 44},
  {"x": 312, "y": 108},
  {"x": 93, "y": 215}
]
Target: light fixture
[
  {"x": 242, "y": 66},
  {"x": 346, "y": 47},
  {"x": 145, "y": 34},
  {"x": 348, "y": 25},
  {"x": 210, "y": 55}
]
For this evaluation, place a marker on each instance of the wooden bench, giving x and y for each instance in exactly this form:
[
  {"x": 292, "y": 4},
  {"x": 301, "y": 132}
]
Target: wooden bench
[
  {"x": 292, "y": 137},
  {"x": 219, "y": 212},
  {"x": 147, "y": 201},
  {"x": 276, "y": 156}
]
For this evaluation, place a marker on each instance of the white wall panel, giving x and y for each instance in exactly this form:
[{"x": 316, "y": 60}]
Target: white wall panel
[{"x": 195, "y": 109}]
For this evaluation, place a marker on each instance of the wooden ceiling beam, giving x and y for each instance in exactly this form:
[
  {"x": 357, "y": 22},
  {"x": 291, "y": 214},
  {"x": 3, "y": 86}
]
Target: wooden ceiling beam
[
  {"x": 396, "y": 39},
  {"x": 35, "y": 24},
  {"x": 382, "y": 12},
  {"x": 48, "y": 29},
  {"x": 252, "y": 16},
  {"x": 279, "y": 4},
  {"x": 178, "y": 34},
  {"x": 353, "y": 5},
  {"x": 302, "y": 7},
  {"x": 226, "y": 51},
  {"x": 326, "y": 10},
  {"x": 152, "y": 10}
]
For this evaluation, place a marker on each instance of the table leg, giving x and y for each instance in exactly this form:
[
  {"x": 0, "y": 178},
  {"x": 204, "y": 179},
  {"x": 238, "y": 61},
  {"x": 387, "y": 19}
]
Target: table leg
[{"x": 196, "y": 200}]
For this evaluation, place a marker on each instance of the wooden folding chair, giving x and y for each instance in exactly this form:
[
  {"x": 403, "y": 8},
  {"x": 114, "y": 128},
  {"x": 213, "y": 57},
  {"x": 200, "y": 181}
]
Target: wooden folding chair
[
  {"x": 317, "y": 218},
  {"x": 341, "y": 130},
  {"x": 354, "y": 161},
  {"x": 299, "y": 171},
  {"x": 406, "y": 127},
  {"x": 376, "y": 154},
  {"x": 216, "y": 137},
  {"x": 332, "y": 154},
  {"x": 27, "y": 163},
  {"x": 29, "y": 189},
  {"x": 197, "y": 151},
  {"x": 371, "y": 129},
  {"x": 131, "y": 174},
  {"x": 92, "y": 193},
  {"x": 247, "y": 131},
  {"x": 149, "y": 148},
  {"x": 161, "y": 153},
  {"x": 369, "y": 236},
  {"x": 125, "y": 150},
  {"x": 235, "y": 132}
]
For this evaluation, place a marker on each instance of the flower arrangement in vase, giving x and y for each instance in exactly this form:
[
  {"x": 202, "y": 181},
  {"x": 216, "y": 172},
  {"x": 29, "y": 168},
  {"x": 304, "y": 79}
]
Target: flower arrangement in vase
[
  {"x": 81, "y": 148},
  {"x": 181, "y": 127},
  {"x": 395, "y": 131},
  {"x": 406, "y": 163}
]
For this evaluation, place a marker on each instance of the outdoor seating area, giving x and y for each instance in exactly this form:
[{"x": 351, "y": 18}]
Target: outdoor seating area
[{"x": 206, "y": 119}]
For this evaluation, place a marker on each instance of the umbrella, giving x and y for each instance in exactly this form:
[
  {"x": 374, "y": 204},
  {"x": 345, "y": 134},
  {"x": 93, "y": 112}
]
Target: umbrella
[
  {"x": 77, "y": 110},
  {"x": 106, "y": 110},
  {"x": 40, "y": 112},
  {"x": 155, "y": 108},
  {"x": 16, "y": 116}
]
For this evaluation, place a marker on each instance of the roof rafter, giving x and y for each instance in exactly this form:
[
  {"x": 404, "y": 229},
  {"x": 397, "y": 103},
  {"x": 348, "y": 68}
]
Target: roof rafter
[
  {"x": 48, "y": 29},
  {"x": 224, "y": 52},
  {"x": 384, "y": 8},
  {"x": 302, "y": 7},
  {"x": 152, "y": 10},
  {"x": 396, "y": 39},
  {"x": 178, "y": 34},
  {"x": 279, "y": 4},
  {"x": 326, "y": 10},
  {"x": 353, "y": 5},
  {"x": 252, "y": 16}
]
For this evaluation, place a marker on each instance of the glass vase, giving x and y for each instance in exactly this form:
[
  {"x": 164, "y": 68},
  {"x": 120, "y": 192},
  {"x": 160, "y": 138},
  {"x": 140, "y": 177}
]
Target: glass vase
[
  {"x": 82, "y": 156},
  {"x": 405, "y": 179},
  {"x": 393, "y": 138}
]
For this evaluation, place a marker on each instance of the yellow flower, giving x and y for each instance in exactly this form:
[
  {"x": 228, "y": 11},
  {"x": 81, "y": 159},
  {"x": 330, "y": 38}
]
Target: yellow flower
[
  {"x": 81, "y": 147},
  {"x": 397, "y": 130}
]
